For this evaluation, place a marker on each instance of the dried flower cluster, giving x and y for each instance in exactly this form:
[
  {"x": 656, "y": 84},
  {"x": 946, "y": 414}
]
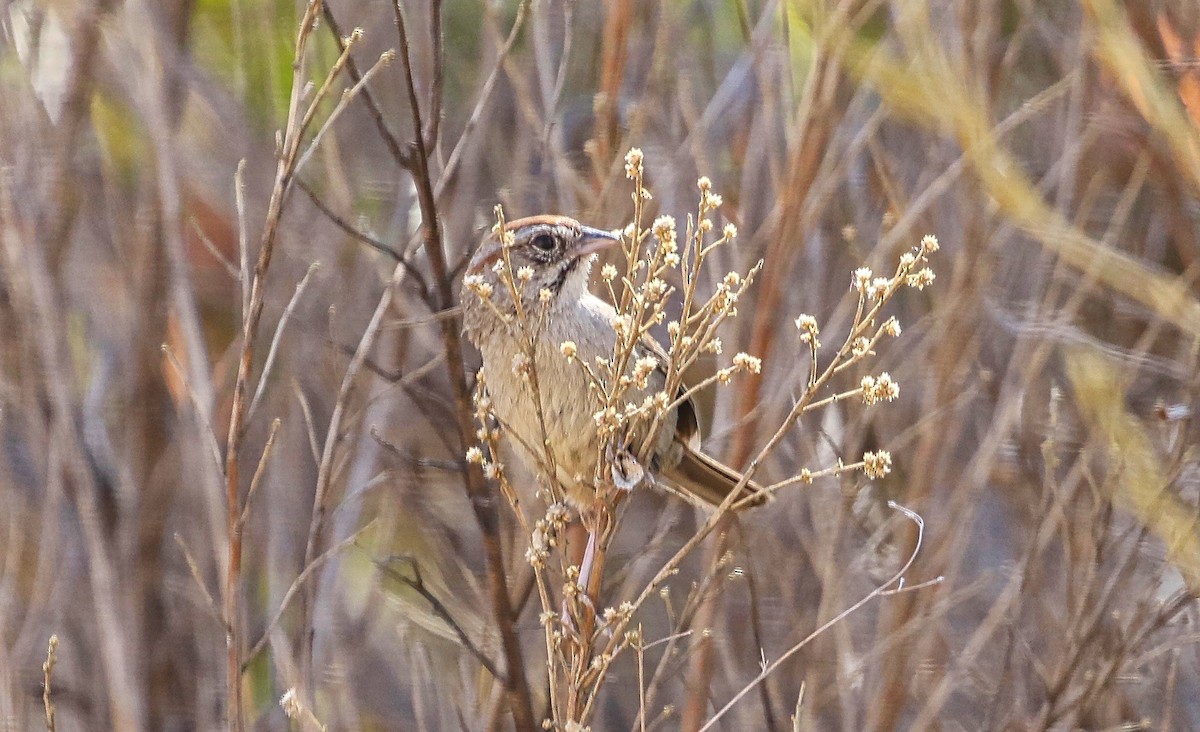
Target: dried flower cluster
[{"x": 653, "y": 258}]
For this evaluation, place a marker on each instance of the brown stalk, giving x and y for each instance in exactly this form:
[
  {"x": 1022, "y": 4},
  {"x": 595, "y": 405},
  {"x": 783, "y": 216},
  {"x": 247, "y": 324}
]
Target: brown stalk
[
  {"x": 251, "y": 318},
  {"x": 334, "y": 435},
  {"x": 818, "y": 117},
  {"x": 47, "y": 675},
  {"x": 612, "y": 71},
  {"x": 54, "y": 221},
  {"x": 417, "y": 584},
  {"x": 297, "y": 585},
  {"x": 34, "y": 295},
  {"x": 481, "y": 499}
]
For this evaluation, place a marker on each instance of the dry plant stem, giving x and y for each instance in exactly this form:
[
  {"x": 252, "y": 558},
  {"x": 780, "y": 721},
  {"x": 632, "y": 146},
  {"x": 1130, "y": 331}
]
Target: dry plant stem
[
  {"x": 612, "y": 71},
  {"x": 210, "y": 434},
  {"x": 492, "y": 440},
  {"x": 871, "y": 301},
  {"x": 661, "y": 670},
  {"x": 799, "y": 706},
  {"x": 891, "y": 587},
  {"x": 343, "y": 102},
  {"x": 816, "y": 119},
  {"x": 389, "y": 140},
  {"x": 417, "y": 584},
  {"x": 230, "y": 268},
  {"x": 259, "y": 472},
  {"x": 310, "y": 427},
  {"x": 485, "y": 94},
  {"x": 591, "y": 580},
  {"x": 239, "y": 192},
  {"x": 641, "y": 672},
  {"x": 278, "y": 337},
  {"x": 47, "y": 675},
  {"x": 325, "y": 467},
  {"x": 30, "y": 287},
  {"x": 298, "y": 584},
  {"x": 370, "y": 241},
  {"x": 198, "y": 578},
  {"x": 250, "y": 321},
  {"x": 482, "y": 503}
]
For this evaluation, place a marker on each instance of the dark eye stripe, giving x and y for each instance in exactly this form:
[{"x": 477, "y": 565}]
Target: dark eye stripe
[{"x": 563, "y": 272}]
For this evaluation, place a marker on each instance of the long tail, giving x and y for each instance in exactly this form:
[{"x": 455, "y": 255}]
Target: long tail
[{"x": 711, "y": 481}]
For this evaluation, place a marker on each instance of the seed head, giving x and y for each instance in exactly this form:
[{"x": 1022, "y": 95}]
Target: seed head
[
  {"x": 921, "y": 279},
  {"x": 477, "y": 285},
  {"x": 877, "y": 464},
  {"x": 746, "y": 362},
  {"x": 807, "y": 323},
  {"x": 633, "y": 163},
  {"x": 861, "y": 279}
]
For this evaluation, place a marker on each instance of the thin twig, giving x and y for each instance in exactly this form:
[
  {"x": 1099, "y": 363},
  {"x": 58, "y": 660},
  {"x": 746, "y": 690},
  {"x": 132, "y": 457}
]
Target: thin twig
[
  {"x": 259, "y": 472},
  {"x": 333, "y": 438},
  {"x": 417, "y": 583},
  {"x": 641, "y": 673},
  {"x": 485, "y": 94},
  {"x": 365, "y": 238},
  {"x": 209, "y": 434},
  {"x": 893, "y": 586},
  {"x": 278, "y": 337},
  {"x": 310, "y": 427},
  {"x": 251, "y": 317},
  {"x": 343, "y": 102},
  {"x": 239, "y": 192},
  {"x": 194, "y": 568},
  {"x": 389, "y": 140},
  {"x": 229, "y": 267},
  {"x": 297, "y": 584},
  {"x": 47, "y": 676},
  {"x": 486, "y": 514}
]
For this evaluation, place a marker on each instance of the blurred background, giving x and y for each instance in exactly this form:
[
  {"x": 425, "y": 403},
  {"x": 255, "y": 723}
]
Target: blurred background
[{"x": 1046, "y": 428}]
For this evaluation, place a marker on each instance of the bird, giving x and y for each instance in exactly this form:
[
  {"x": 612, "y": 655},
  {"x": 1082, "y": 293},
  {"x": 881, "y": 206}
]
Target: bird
[{"x": 559, "y": 252}]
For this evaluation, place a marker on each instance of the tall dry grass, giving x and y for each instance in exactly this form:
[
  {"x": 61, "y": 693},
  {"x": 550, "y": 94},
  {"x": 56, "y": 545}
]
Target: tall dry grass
[{"x": 335, "y": 544}]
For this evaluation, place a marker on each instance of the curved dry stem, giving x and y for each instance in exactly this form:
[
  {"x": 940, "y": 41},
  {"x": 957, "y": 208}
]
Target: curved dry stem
[{"x": 891, "y": 587}]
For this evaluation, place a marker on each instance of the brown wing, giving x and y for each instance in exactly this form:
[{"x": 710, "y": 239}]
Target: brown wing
[{"x": 698, "y": 474}]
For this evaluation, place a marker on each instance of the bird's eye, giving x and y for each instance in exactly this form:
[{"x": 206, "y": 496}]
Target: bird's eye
[{"x": 543, "y": 243}]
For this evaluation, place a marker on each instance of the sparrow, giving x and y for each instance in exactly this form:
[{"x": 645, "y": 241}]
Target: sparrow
[{"x": 560, "y": 251}]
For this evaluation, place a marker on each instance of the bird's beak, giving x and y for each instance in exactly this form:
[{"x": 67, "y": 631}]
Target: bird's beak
[{"x": 593, "y": 240}]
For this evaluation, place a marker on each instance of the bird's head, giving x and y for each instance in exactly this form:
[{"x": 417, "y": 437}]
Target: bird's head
[{"x": 548, "y": 253}]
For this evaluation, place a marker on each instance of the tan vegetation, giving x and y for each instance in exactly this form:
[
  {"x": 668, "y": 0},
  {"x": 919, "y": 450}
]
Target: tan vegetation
[{"x": 249, "y": 481}]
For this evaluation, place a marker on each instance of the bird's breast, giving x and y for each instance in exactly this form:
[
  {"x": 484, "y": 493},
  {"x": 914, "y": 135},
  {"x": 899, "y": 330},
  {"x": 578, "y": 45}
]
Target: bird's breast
[{"x": 566, "y": 400}]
